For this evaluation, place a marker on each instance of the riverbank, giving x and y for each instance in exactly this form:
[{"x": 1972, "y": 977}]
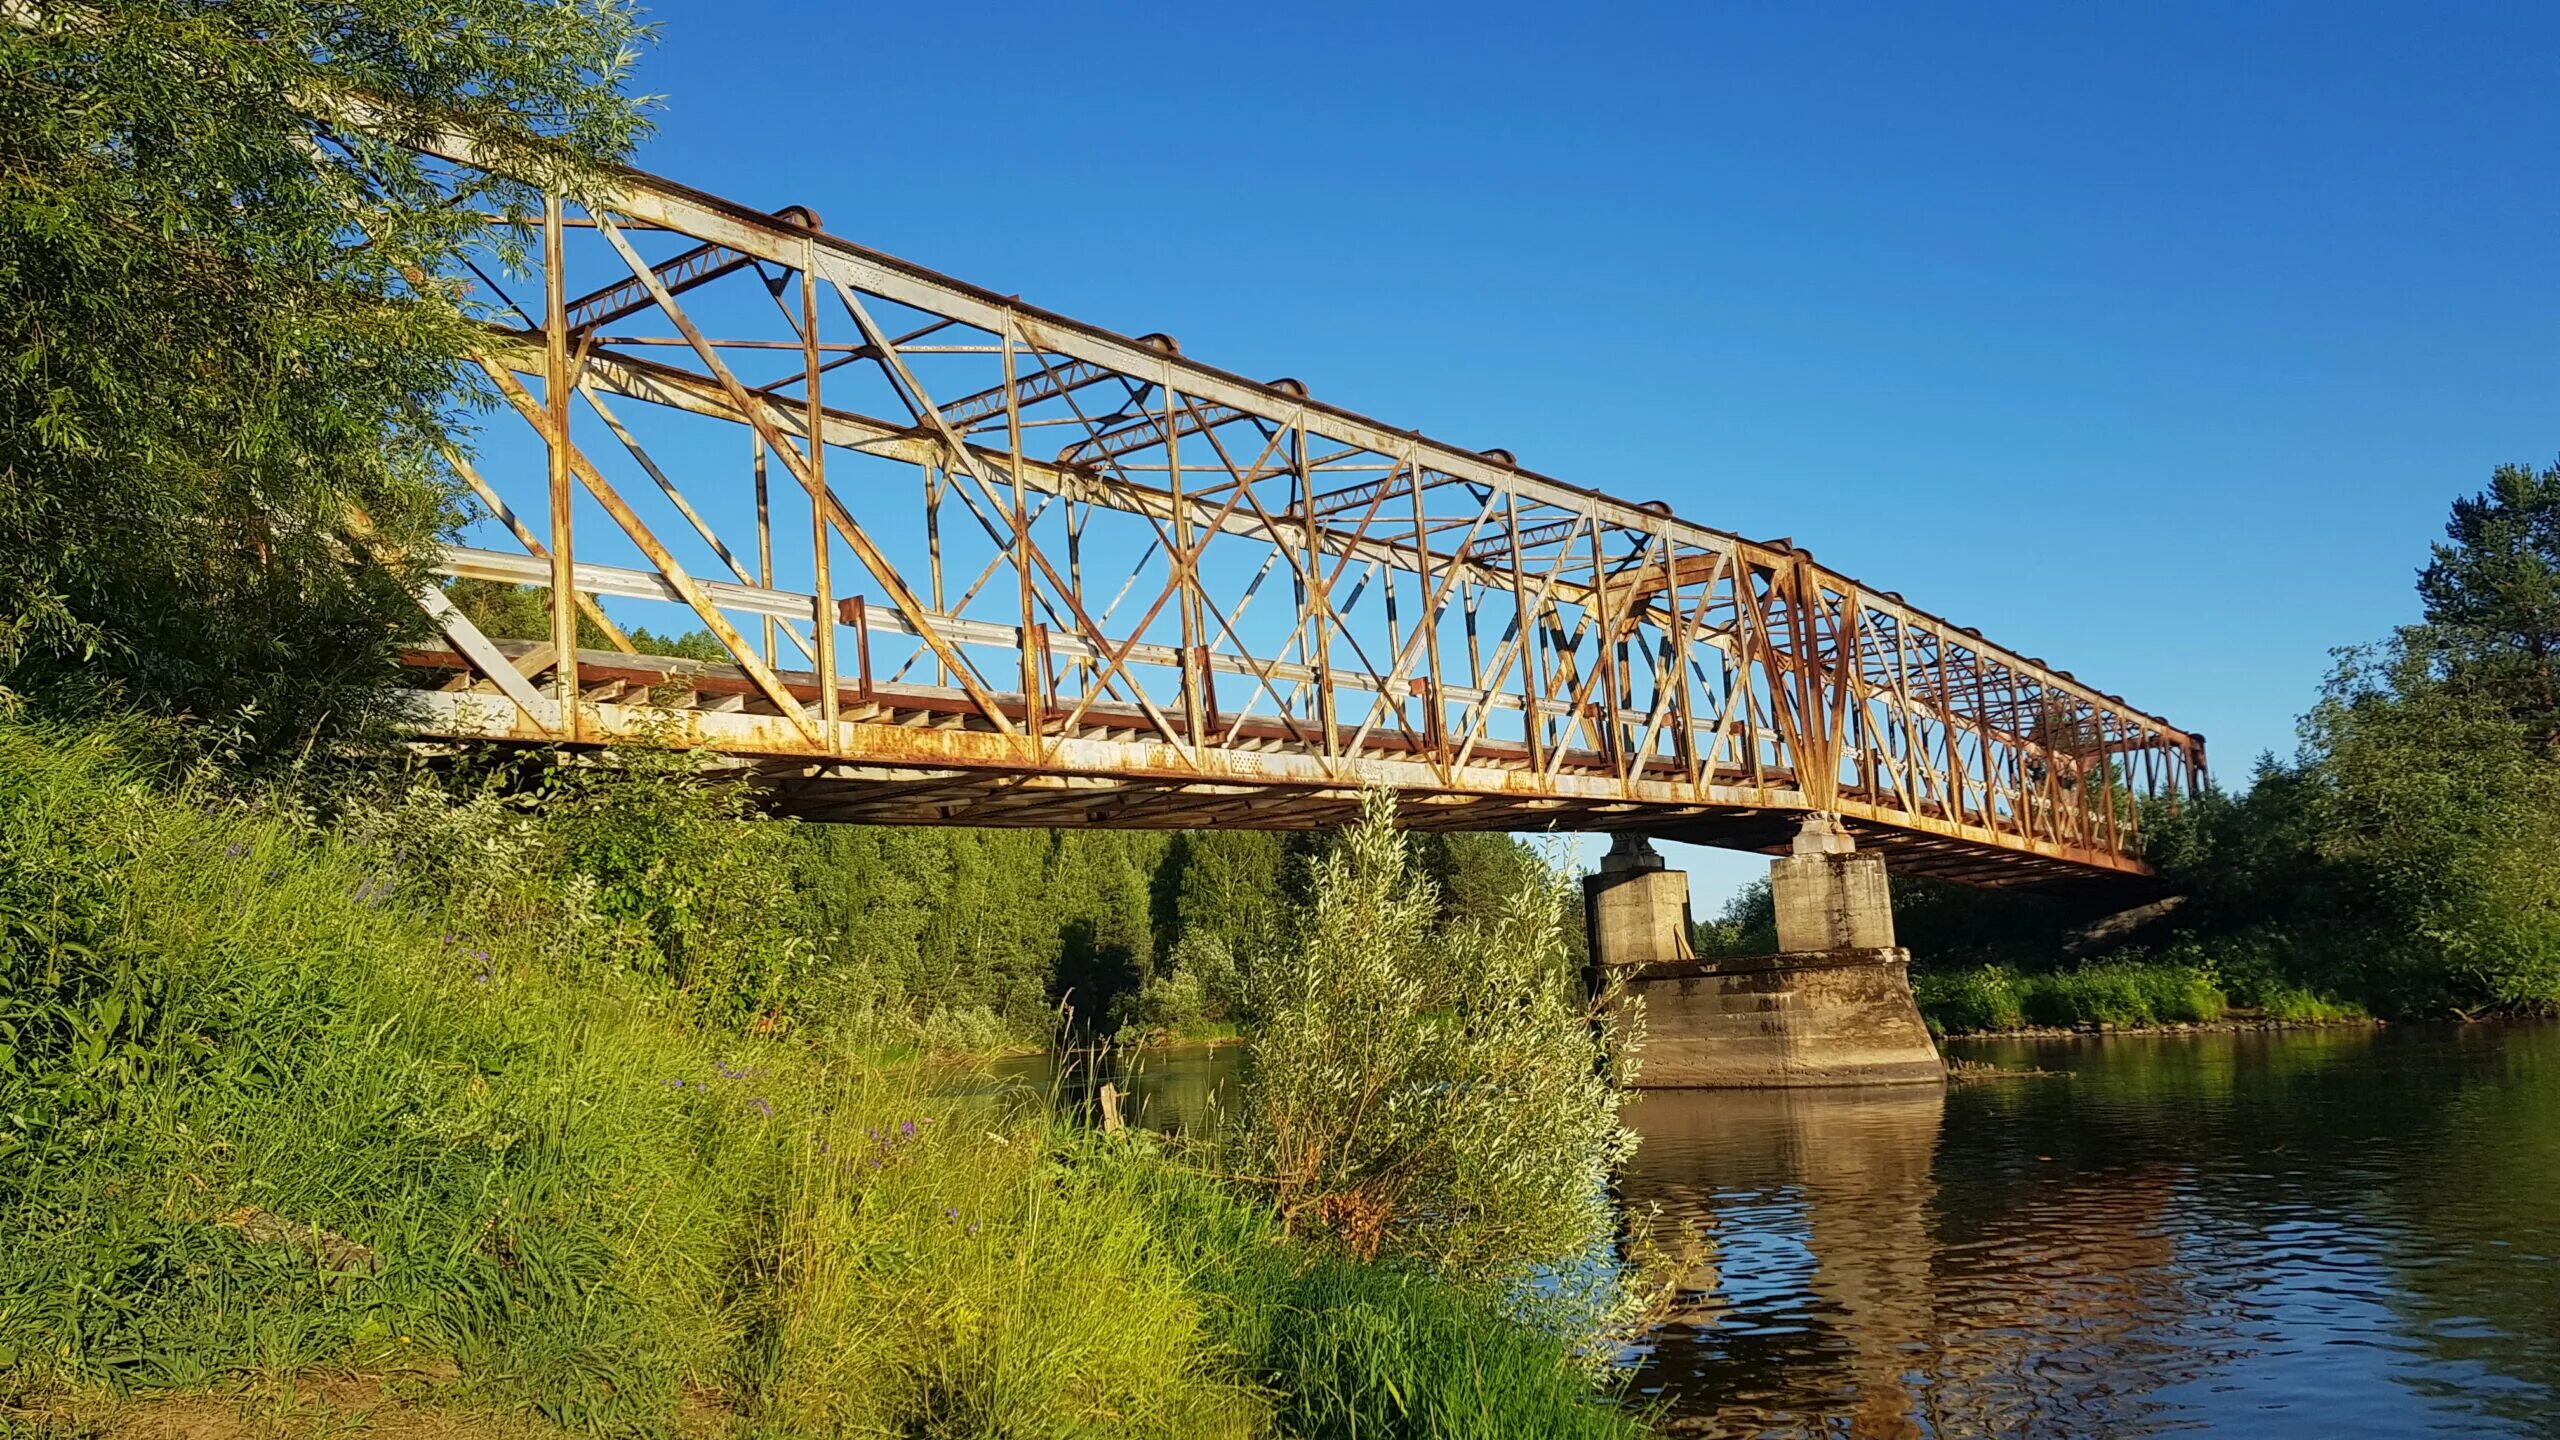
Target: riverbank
[
  {"x": 286, "y": 1100},
  {"x": 2112, "y": 997},
  {"x": 2231, "y": 1023}
]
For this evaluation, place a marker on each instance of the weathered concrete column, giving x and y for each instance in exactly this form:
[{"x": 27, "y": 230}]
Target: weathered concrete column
[
  {"x": 1833, "y": 1007},
  {"x": 1637, "y": 911},
  {"x": 1830, "y": 895}
]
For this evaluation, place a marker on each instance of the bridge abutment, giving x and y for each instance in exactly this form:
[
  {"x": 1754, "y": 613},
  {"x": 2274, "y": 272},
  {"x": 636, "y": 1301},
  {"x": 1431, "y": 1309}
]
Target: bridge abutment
[{"x": 1833, "y": 1007}]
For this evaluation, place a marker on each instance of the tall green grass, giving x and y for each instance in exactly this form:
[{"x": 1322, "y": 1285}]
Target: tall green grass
[
  {"x": 275, "y": 1096},
  {"x": 1349, "y": 1350}
]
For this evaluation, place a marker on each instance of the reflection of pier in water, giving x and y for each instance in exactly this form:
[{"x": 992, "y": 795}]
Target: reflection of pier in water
[{"x": 1852, "y": 1278}]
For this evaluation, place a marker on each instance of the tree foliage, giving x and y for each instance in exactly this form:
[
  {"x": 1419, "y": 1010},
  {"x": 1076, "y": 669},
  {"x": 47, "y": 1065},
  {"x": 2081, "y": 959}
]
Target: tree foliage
[
  {"x": 2403, "y": 857},
  {"x": 2492, "y": 596},
  {"x": 2401, "y": 860},
  {"x": 1138, "y": 932},
  {"x": 226, "y": 321},
  {"x": 2445, "y": 807}
]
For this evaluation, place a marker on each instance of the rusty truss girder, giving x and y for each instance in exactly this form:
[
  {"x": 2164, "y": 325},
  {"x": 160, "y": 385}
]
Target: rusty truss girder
[{"x": 988, "y": 565}]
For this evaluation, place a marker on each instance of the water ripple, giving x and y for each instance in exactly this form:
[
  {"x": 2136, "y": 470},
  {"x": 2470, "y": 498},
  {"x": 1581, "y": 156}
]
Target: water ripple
[{"x": 2282, "y": 1235}]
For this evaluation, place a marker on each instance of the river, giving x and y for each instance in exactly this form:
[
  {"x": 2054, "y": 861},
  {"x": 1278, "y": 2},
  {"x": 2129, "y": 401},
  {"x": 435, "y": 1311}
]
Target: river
[{"x": 2290, "y": 1234}]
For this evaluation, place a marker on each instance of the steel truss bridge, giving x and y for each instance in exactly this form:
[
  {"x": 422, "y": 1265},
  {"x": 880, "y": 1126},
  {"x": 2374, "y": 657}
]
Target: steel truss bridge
[{"x": 971, "y": 562}]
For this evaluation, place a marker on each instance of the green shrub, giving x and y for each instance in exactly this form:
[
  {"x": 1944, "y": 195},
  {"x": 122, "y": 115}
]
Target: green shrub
[
  {"x": 1349, "y": 1350},
  {"x": 1994, "y": 997},
  {"x": 1424, "y": 1090},
  {"x": 2123, "y": 994},
  {"x": 1196, "y": 992},
  {"x": 1358, "y": 1351},
  {"x": 1957, "y": 1002},
  {"x": 2250, "y": 967},
  {"x": 2297, "y": 1004}
]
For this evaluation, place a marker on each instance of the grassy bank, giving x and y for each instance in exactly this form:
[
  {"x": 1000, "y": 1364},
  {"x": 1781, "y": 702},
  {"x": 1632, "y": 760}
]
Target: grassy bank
[
  {"x": 2126, "y": 994},
  {"x": 382, "y": 1097}
]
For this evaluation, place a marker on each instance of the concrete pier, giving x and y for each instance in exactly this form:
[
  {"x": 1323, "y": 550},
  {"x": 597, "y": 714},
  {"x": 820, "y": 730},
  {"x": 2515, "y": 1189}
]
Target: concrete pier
[
  {"x": 1637, "y": 911},
  {"x": 1833, "y": 1007}
]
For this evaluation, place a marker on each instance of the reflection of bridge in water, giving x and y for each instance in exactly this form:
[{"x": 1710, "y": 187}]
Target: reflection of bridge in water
[
  {"x": 967, "y": 561},
  {"x": 1842, "y": 1289}
]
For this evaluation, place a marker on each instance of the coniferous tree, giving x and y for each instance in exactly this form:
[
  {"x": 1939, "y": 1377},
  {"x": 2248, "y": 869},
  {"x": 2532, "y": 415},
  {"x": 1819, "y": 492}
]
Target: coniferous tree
[{"x": 2492, "y": 596}]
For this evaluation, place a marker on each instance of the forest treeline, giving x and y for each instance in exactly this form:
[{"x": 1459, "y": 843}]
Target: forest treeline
[
  {"x": 1004, "y": 933},
  {"x": 2404, "y": 860}
]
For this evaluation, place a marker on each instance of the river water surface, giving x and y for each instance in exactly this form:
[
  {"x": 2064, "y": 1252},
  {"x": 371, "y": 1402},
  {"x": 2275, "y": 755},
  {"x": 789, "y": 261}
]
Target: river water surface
[{"x": 2293, "y": 1234}]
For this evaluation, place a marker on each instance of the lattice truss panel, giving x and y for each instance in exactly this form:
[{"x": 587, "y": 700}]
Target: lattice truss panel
[{"x": 970, "y": 562}]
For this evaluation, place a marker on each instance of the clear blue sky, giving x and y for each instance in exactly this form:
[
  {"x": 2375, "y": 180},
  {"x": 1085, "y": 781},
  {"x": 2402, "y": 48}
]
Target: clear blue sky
[{"x": 2150, "y": 340}]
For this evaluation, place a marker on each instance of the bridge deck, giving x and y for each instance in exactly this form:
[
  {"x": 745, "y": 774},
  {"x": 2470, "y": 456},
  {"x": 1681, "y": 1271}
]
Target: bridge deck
[{"x": 926, "y": 755}]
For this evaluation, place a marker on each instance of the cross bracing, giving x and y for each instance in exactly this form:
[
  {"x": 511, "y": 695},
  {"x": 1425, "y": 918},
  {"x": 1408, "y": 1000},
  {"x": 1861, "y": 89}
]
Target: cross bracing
[{"x": 972, "y": 562}]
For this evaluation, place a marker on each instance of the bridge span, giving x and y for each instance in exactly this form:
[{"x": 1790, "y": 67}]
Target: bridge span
[{"x": 967, "y": 561}]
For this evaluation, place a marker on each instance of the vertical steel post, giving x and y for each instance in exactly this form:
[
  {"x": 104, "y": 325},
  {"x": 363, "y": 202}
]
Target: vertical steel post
[
  {"x": 1077, "y": 513},
  {"x": 764, "y": 544},
  {"x": 1186, "y": 574},
  {"x": 1320, "y": 602},
  {"x": 1427, "y": 627},
  {"x": 1612, "y": 744},
  {"x": 1526, "y": 636},
  {"x": 821, "y": 581},
  {"x": 1675, "y": 653},
  {"x": 933, "y": 553},
  {"x": 1032, "y": 718},
  {"x": 2107, "y": 777},
  {"x": 555, "y": 397},
  {"x": 1301, "y": 496}
]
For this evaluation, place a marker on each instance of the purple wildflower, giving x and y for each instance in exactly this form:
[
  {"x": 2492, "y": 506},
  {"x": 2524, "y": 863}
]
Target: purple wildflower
[
  {"x": 761, "y": 1105},
  {"x": 906, "y": 1129}
]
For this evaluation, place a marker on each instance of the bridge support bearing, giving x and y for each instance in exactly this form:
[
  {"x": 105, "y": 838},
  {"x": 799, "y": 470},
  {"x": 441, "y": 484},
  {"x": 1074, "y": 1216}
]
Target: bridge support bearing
[{"x": 1834, "y": 1007}]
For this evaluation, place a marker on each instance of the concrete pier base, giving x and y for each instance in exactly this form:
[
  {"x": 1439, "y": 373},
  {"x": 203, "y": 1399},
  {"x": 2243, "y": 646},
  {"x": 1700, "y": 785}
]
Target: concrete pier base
[
  {"x": 1837, "y": 1017},
  {"x": 1834, "y": 1007}
]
